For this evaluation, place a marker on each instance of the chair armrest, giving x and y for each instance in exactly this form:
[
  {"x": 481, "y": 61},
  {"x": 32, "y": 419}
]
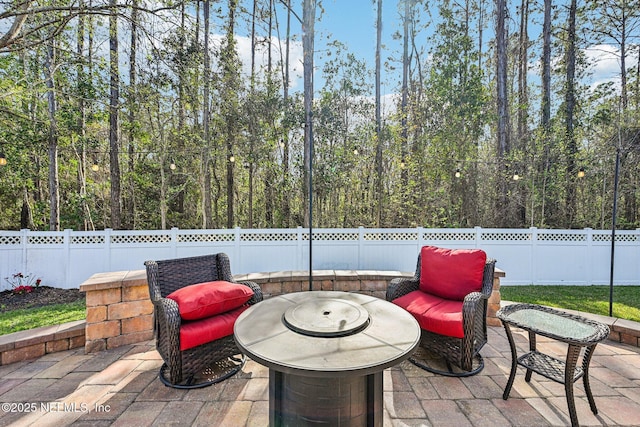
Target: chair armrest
[
  {"x": 401, "y": 286},
  {"x": 257, "y": 291},
  {"x": 473, "y": 301},
  {"x": 167, "y": 324},
  {"x": 473, "y": 309}
]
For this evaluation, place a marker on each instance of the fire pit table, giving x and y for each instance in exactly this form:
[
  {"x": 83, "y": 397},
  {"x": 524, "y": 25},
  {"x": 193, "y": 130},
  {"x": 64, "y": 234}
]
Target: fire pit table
[{"x": 326, "y": 352}]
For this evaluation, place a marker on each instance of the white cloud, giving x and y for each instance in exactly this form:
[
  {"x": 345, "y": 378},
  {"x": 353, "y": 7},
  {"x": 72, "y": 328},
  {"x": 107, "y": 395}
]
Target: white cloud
[
  {"x": 604, "y": 61},
  {"x": 243, "y": 46}
]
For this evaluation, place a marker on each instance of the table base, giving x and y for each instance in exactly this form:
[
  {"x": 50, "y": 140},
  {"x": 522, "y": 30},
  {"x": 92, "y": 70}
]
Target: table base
[{"x": 353, "y": 401}]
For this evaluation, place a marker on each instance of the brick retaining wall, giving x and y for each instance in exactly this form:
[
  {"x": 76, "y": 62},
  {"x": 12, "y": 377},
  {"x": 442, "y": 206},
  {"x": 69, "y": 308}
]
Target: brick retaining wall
[
  {"x": 37, "y": 342},
  {"x": 119, "y": 311}
]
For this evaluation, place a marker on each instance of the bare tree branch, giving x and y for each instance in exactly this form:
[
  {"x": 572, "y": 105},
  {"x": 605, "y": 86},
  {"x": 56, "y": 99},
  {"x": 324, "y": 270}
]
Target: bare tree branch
[{"x": 17, "y": 39}]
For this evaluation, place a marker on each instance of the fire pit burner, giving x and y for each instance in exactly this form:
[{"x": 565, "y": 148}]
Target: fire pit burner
[
  {"x": 326, "y": 353},
  {"x": 326, "y": 317}
]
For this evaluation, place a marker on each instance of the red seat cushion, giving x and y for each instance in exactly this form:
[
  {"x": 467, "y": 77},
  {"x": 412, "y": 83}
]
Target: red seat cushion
[
  {"x": 198, "y": 332},
  {"x": 207, "y": 299},
  {"x": 434, "y": 314},
  {"x": 451, "y": 273}
]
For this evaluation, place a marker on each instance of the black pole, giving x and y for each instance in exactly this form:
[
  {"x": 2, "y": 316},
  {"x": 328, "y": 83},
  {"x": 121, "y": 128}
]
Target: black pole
[
  {"x": 310, "y": 201},
  {"x": 613, "y": 229}
]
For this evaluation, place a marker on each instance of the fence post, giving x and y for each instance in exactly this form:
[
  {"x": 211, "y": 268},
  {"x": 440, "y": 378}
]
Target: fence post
[
  {"x": 66, "y": 242},
  {"x": 236, "y": 246},
  {"x": 174, "y": 242},
  {"x": 534, "y": 255},
  {"x": 299, "y": 251},
  {"x": 360, "y": 246},
  {"x": 637, "y": 245},
  {"x": 24, "y": 239},
  {"x": 478, "y": 231},
  {"x": 589, "y": 256},
  {"x": 107, "y": 249}
]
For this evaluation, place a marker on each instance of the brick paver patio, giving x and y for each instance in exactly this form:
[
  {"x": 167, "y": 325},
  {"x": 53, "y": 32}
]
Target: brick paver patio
[{"x": 120, "y": 387}]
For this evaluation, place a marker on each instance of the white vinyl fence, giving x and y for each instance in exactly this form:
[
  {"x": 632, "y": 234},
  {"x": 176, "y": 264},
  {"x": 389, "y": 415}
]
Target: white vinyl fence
[{"x": 528, "y": 256}]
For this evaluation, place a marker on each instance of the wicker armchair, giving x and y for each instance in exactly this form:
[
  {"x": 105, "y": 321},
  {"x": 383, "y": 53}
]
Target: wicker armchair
[
  {"x": 462, "y": 350},
  {"x": 206, "y": 363}
]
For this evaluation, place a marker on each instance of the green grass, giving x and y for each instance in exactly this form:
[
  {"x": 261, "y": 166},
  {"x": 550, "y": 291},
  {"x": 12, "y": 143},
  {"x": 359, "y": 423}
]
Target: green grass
[
  {"x": 588, "y": 299},
  {"x": 29, "y": 318}
]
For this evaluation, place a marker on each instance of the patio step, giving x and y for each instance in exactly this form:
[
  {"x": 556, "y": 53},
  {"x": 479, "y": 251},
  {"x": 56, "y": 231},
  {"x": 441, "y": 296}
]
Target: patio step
[{"x": 37, "y": 342}]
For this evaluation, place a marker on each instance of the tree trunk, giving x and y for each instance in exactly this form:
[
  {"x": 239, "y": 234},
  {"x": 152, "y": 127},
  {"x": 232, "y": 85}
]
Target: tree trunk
[
  {"x": 286, "y": 208},
  {"x": 378, "y": 161},
  {"x": 252, "y": 99},
  {"x": 523, "y": 68},
  {"x": 309, "y": 17},
  {"x": 130, "y": 200},
  {"x": 114, "y": 100},
  {"x": 546, "y": 108},
  {"x": 503, "y": 111},
  {"x": 546, "y": 67},
  {"x": 54, "y": 192},
  {"x": 81, "y": 123},
  {"x": 206, "y": 170},
  {"x": 230, "y": 81},
  {"x": 570, "y": 103},
  {"x": 523, "y": 104},
  {"x": 404, "y": 131}
]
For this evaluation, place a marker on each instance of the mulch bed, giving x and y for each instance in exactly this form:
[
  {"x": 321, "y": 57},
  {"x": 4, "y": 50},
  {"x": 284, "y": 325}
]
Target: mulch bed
[{"x": 40, "y": 297}]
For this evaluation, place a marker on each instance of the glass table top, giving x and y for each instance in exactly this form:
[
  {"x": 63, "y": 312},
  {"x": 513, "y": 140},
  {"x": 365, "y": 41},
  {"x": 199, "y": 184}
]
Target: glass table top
[{"x": 553, "y": 323}]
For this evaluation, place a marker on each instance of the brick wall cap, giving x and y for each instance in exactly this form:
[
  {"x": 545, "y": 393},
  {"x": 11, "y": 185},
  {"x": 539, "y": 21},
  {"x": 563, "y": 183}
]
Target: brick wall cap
[
  {"x": 106, "y": 280},
  {"x": 41, "y": 335}
]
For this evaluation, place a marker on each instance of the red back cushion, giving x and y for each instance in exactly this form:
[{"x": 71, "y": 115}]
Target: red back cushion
[
  {"x": 451, "y": 273},
  {"x": 210, "y": 298}
]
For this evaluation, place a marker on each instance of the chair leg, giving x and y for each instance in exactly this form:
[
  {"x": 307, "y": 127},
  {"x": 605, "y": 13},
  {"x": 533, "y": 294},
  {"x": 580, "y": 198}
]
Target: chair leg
[
  {"x": 478, "y": 364},
  {"x": 189, "y": 382}
]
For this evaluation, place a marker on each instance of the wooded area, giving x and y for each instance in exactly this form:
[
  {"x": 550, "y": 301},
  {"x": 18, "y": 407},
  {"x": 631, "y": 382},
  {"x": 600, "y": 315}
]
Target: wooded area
[{"x": 127, "y": 115}]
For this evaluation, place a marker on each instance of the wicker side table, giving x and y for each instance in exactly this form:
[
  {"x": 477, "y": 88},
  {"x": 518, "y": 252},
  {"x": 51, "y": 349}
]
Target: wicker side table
[{"x": 576, "y": 331}]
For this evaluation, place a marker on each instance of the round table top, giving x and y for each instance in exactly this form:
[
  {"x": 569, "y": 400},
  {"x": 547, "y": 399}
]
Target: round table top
[{"x": 330, "y": 334}]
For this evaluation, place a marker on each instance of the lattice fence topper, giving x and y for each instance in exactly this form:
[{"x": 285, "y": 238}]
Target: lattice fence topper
[
  {"x": 560, "y": 237},
  {"x": 87, "y": 240},
  {"x": 268, "y": 237},
  {"x": 140, "y": 238},
  {"x": 619, "y": 237},
  {"x": 506, "y": 237},
  {"x": 391, "y": 236},
  {"x": 205, "y": 237},
  {"x": 10, "y": 240},
  {"x": 45, "y": 240},
  {"x": 450, "y": 236},
  {"x": 332, "y": 236}
]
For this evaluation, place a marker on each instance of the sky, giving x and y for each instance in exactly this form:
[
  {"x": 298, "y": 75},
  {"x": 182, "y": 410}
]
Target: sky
[{"x": 352, "y": 22}]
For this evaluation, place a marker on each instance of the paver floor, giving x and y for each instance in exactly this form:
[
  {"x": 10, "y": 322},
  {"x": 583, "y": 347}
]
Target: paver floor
[{"x": 120, "y": 387}]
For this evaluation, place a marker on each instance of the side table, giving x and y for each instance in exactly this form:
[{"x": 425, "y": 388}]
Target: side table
[{"x": 576, "y": 331}]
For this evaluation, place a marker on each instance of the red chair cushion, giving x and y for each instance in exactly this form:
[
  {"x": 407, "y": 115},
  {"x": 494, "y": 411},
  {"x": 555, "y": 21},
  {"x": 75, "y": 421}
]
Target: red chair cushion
[
  {"x": 198, "y": 332},
  {"x": 451, "y": 273},
  {"x": 207, "y": 299},
  {"x": 433, "y": 313}
]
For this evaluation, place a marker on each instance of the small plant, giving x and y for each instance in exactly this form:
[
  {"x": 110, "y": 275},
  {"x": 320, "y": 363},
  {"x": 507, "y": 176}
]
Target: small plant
[
  {"x": 23, "y": 289},
  {"x": 23, "y": 283}
]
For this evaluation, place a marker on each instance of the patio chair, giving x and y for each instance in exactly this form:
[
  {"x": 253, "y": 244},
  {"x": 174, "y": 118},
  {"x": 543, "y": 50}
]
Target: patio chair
[
  {"x": 196, "y": 302},
  {"x": 448, "y": 297}
]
